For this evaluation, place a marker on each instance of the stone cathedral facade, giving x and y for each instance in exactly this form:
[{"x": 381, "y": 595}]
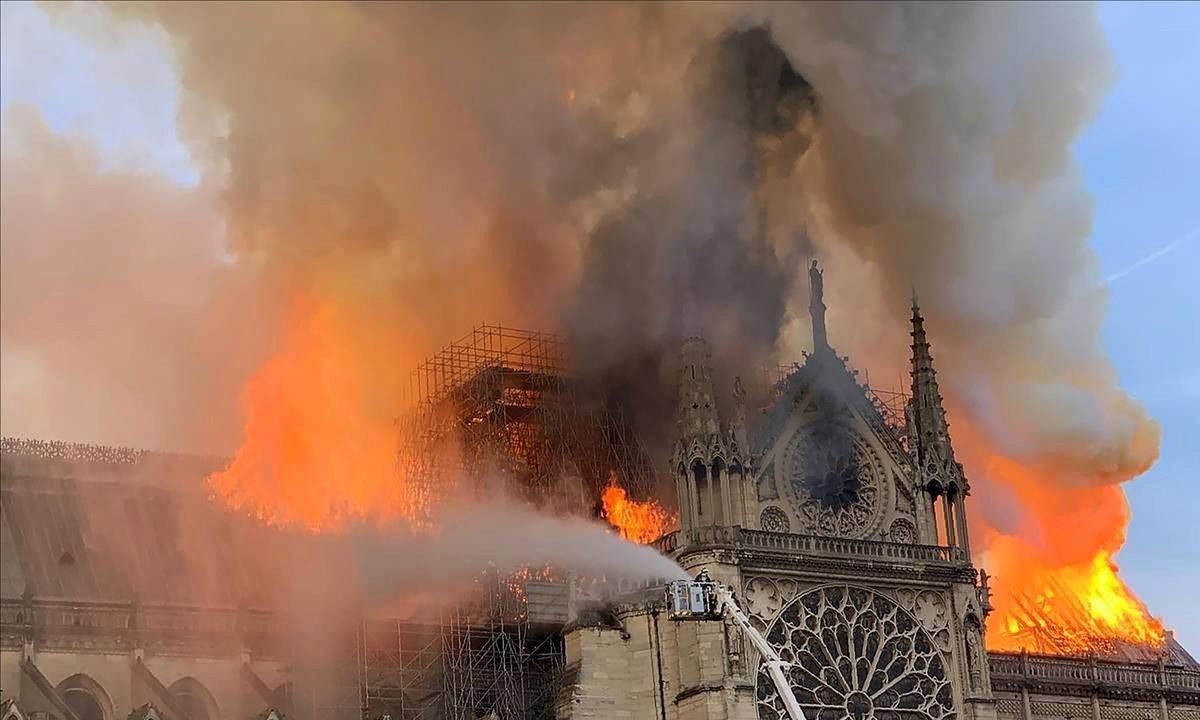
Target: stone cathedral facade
[
  {"x": 850, "y": 551},
  {"x": 845, "y": 540}
]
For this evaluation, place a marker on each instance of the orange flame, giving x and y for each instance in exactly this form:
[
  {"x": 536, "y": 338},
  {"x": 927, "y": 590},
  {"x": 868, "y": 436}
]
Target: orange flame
[
  {"x": 313, "y": 454},
  {"x": 1073, "y": 609},
  {"x": 640, "y": 522},
  {"x": 320, "y": 452},
  {"x": 1056, "y": 586}
]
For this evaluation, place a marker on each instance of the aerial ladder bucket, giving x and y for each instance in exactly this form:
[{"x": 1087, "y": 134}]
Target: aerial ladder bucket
[{"x": 702, "y": 599}]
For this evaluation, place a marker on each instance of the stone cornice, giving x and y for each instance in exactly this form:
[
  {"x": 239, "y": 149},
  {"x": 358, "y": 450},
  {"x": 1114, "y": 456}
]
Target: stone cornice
[{"x": 787, "y": 552}]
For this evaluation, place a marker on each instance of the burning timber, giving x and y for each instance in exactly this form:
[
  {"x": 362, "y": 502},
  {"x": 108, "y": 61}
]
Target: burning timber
[
  {"x": 835, "y": 515},
  {"x": 502, "y": 400}
]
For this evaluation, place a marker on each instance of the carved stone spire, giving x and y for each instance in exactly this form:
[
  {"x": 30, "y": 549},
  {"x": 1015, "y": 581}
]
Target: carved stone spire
[
  {"x": 929, "y": 437},
  {"x": 929, "y": 417},
  {"x": 697, "y": 415},
  {"x": 711, "y": 481},
  {"x": 816, "y": 308}
]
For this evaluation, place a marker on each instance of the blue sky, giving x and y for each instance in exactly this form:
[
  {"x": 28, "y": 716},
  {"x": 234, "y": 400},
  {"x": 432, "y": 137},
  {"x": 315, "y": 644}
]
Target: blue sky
[
  {"x": 1141, "y": 158},
  {"x": 120, "y": 92}
]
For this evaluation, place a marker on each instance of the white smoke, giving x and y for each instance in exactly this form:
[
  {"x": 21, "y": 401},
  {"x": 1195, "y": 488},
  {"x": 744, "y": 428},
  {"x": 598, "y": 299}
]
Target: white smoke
[{"x": 502, "y": 535}]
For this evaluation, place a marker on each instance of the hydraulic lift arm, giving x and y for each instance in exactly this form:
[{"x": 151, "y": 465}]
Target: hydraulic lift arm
[{"x": 705, "y": 600}]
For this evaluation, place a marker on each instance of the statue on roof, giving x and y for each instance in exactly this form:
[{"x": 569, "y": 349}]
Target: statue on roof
[{"x": 816, "y": 307}]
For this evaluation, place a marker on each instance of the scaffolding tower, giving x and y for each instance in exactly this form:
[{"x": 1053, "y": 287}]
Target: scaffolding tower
[
  {"x": 499, "y": 401},
  {"x": 503, "y": 400}
]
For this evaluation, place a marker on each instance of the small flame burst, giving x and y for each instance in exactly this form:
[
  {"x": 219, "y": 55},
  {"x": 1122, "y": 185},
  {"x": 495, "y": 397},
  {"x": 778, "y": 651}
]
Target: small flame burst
[{"x": 639, "y": 522}]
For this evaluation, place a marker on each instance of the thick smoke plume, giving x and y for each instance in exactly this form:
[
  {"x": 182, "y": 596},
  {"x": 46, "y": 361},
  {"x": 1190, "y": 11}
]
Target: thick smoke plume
[{"x": 632, "y": 173}]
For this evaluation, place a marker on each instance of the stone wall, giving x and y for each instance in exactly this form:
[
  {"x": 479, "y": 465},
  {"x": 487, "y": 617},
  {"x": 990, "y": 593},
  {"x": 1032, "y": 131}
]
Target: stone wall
[
  {"x": 223, "y": 678},
  {"x": 642, "y": 666}
]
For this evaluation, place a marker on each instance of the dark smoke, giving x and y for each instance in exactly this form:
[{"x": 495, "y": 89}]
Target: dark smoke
[
  {"x": 632, "y": 173},
  {"x": 692, "y": 256}
]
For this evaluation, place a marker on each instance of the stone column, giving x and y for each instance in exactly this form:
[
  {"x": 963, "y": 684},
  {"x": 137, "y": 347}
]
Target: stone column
[
  {"x": 726, "y": 515},
  {"x": 960, "y": 514},
  {"x": 948, "y": 517},
  {"x": 712, "y": 507},
  {"x": 683, "y": 491},
  {"x": 1163, "y": 713},
  {"x": 1026, "y": 707}
]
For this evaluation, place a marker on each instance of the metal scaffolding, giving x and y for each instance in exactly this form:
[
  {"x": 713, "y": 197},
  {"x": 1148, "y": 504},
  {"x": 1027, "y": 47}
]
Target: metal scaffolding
[
  {"x": 496, "y": 655},
  {"x": 889, "y": 403},
  {"x": 502, "y": 400}
]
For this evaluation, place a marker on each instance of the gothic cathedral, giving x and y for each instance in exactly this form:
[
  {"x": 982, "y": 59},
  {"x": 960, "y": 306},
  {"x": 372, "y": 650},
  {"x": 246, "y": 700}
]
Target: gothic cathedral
[{"x": 845, "y": 539}]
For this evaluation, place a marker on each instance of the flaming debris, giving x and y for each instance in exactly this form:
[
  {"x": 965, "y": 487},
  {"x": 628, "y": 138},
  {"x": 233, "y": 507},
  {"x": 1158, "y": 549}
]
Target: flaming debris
[{"x": 641, "y": 522}]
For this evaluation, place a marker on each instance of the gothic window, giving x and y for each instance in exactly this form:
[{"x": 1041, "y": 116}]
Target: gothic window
[
  {"x": 903, "y": 531},
  {"x": 833, "y": 481},
  {"x": 192, "y": 698},
  {"x": 774, "y": 519},
  {"x": 701, "y": 477},
  {"x": 856, "y": 656},
  {"x": 85, "y": 697},
  {"x": 83, "y": 704}
]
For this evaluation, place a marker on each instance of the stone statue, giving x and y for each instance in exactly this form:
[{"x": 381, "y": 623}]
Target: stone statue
[
  {"x": 985, "y": 593},
  {"x": 974, "y": 656},
  {"x": 816, "y": 308}
]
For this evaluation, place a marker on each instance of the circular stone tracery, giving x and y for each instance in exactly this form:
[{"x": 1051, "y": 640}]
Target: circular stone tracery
[
  {"x": 774, "y": 519},
  {"x": 856, "y": 656},
  {"x": 831, "y": 479}
]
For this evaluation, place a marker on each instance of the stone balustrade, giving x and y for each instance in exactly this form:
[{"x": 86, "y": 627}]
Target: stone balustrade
[
  {"x": 126, "y": 625},
  {"x": 1022, "y": 670},
  {"x": 813, "y": 545}
]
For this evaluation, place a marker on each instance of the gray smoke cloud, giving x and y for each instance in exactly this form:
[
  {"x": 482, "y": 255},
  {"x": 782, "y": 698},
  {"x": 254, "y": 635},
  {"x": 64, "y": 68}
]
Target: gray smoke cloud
[
  {"x": 505, "y": 536},
  {"x": 632, "y": 173}
]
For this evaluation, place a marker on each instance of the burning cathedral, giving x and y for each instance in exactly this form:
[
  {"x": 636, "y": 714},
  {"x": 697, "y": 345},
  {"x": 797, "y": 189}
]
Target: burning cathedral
[
  {"x": 838, "y": 527},
  {"x": 833, "y": 516}
]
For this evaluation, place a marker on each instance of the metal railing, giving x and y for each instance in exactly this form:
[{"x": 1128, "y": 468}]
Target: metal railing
[{"x": 793, "y": 544}]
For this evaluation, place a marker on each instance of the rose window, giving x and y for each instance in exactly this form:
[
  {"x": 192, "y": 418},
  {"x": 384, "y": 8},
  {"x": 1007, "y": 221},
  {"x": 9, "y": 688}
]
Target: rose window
[
  {"x": 856, "y": 655},
  {"x": 832, "y": 482},
  {"x": 774, "y": 519}
]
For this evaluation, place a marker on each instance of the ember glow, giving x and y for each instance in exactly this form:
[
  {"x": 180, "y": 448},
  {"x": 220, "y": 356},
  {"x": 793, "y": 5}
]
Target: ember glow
[
  {"x": 311, "y": 455},
  {"x": 1077, "y": 610},
  {"x": 1056, "y": 586},
  {"x": 640, "y": 522}
]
